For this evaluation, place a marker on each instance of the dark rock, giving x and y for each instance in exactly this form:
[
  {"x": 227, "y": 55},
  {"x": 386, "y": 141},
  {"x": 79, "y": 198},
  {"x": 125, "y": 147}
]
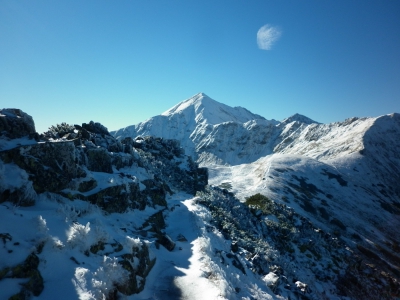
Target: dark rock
[
  {"x": 5, "y": 237},
  {"x": 133, "y": 285},
  {"x": 167, "y": 242},
  {"x": 234, "y": 247},
  {"x": 87, "y": 185},
  {"x": 181, "y": 238},
  {"x": 127, "y": 145},
  {"x": 118, "y": 198},
  {"x": 157, "y": 191},
  {"x": 120, "y": 160},
  {"x": 236, "y": 262},
  {"x": 4, "y": 195},
  {"x": 23, "y": 270},
  {"x": 114, "y": 146},
  {"x": 22, "y": 295},
  {"x": 14, "y": 123},
  {"x": 74, "y": 260},
  {"x": 200, "y": 179},
  {"x": 99, "y": 160},
  {"x": 164, "y": 158},
  {"x": 22, "y": 196},
  {"x": 28, "y": 269},
  {"x": 35, "y": 283},
  {"x": 51, "y": 166},
  {"x": 85, "y": 134},
  {"x": 97, "y": 247},
  {"x": 95, "y": 127},
  {"x": 156, "y": 221}
]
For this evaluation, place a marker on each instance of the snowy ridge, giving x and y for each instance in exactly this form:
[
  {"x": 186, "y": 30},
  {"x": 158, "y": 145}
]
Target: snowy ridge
[
  {"x": 342, "y": 176},
  {"x": 324, "y": 141},
  {"x": 214, "y": 133}
]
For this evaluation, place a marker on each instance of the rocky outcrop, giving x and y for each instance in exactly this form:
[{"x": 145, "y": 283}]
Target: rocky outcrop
[
  {"x": 14, "y": 123},
  {"x": 87, "y": 163},
  {"x": 68, "y": 154},
  {"x": 29, "y": 270},
  {"x": 129, "y": 196},
  {"x": 166, "y": 160},
  {"x": 51, "y": 165}
]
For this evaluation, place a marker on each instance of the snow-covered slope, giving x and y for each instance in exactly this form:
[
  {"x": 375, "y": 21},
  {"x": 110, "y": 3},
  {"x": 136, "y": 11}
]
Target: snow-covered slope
[{"x": 343, "y": 176}]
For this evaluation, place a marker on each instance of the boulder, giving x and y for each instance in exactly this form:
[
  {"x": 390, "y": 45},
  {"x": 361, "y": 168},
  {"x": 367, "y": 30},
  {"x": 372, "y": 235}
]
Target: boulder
[
  {"x": 137, "y": 271},
  {"x": 51, "y": 166},
  {"x": 166, "y": 241},
  {"x": 14, "y": 123}
]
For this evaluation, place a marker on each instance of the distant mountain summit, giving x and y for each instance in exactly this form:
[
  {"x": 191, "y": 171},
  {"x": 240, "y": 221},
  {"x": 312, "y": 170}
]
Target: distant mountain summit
[
  {"x": 298, "y": 118},
  {"x": 196, "y": 123},
  {"x": 189, "y": 118},
  {"x": 205, "y": 109},
  {"x": 215, "y": 133}
]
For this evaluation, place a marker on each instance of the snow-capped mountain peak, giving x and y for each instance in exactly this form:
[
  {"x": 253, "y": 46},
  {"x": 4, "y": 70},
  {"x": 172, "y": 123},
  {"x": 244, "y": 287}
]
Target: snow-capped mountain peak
[
  {"x": 299, "y": 118},
  {"x": 192, "y": 120},
  {"x": 205, "y": 109}
]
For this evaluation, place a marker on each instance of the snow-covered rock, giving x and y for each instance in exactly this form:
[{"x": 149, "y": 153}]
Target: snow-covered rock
[{"x": 69, "y": 180}]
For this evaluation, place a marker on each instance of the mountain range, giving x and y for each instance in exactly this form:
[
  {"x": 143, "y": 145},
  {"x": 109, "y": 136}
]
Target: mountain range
[
  {"x": 344, "y": 176},
  {"x": 203, "y": 201}
]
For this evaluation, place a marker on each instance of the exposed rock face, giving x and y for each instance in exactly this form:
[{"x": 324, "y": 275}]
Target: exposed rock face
[{"x": 87, "y": 163}]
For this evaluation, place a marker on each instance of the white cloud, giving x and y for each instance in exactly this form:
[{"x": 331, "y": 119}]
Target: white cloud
[{"x": 267, "y": 36}]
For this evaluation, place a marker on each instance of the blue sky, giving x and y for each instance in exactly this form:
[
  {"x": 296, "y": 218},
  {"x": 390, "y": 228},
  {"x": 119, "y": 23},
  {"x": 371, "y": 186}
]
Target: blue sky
[{"x": 121, "y": 62}]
